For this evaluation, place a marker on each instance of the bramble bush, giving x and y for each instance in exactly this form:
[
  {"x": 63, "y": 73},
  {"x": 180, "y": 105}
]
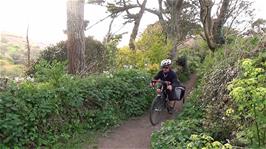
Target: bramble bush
[{"x": 56, "y": 105}]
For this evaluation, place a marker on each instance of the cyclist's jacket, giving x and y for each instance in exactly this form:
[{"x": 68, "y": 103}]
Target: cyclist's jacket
[{"x": 169, "y": 76}]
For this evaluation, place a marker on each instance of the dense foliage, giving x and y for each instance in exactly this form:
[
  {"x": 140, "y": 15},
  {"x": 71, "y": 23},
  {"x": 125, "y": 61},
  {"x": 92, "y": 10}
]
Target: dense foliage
[
  {"x": 230, "y": 101},
  {"x": 151, "y": 48},
  {"x": 226, "y": 109},
  {"x": 55, "y": 105},
  {"x": 249, "y": 93},
  {"x": 220, "y": 70}
]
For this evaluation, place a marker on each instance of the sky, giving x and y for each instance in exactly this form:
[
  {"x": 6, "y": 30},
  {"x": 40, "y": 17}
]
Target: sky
[{"x": 47, "y": 19}]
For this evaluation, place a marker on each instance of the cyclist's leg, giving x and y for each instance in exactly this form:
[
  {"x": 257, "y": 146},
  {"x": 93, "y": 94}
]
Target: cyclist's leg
[{"x": 170, "y": 95}]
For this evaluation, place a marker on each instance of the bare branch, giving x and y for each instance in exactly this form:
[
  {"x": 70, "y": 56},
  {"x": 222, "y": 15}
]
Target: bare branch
[
  {"x": 160, "y": 10},
  {"x": 28, "y": 46},
  {"x": 110, "y": 15},
  {"x": 155, "y": 12},
  {"x": 129, "y": 15},
  {"x": 138, "y": 3},
  {"x": 136, "y": 26}
]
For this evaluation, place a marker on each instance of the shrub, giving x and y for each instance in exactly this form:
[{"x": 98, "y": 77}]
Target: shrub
[
  {"x": 204, "y": 141},
  {"x": 50, "y": 109},
  {"x": 249, "y": 93},
  {"x": 96, "y": 55}
]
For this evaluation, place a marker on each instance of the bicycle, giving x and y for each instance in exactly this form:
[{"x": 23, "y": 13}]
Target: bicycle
[{"x": 160, "y": 103}]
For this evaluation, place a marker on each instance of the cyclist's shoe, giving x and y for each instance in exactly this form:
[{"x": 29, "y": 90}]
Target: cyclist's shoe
[
  {"x": 170, "y": 110},
  {"x": 157, "y": 110}
]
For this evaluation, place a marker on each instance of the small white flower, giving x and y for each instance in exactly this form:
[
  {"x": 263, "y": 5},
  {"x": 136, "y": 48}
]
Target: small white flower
[
  {"x": 16, "y": 79},
  {"x": 30, "y": 79},
  {"x": 106, "y": 72},
  {"x": 125, "y": 66}
]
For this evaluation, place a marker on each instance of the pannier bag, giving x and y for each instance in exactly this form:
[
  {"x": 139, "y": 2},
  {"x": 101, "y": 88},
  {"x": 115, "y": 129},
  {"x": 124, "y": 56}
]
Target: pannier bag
[{"x": 178, "y": 92}]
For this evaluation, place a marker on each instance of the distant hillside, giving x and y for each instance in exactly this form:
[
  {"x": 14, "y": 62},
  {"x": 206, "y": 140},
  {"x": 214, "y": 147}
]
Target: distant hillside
[{"x": 13, "y": 53}]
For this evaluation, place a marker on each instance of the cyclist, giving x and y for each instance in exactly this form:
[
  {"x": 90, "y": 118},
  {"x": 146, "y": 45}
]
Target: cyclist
[{"x": 169, "y": 76}]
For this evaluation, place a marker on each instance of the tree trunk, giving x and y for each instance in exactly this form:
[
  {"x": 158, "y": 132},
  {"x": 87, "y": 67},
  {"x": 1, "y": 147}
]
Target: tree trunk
[
  {"x": 136, "y": 26},
  {"x": 219, "y": 23},
  {"x": 213, "y": 27},
  {"x": 109, "y": 34},
  {"x": 173, "y": 32},
  {"x": 75, "y": 35},
  {"x": 206, "y": 19}
]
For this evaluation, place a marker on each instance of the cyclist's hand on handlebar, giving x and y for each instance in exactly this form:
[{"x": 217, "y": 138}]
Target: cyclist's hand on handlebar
[
  {"x": 170, "y": 87},
  {"x": 167, "y": 82},
  {"x": 152, "y": 84}
]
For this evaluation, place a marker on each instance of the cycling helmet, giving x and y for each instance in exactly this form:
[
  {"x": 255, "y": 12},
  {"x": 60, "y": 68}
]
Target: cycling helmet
[{"x": 166, "y": 62}]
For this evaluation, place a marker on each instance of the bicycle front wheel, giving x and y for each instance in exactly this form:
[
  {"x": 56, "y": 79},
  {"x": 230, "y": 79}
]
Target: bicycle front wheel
[{"x": 156, "y": 110}]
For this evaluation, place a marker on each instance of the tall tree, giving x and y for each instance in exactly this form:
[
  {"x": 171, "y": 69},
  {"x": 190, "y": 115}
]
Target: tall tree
[
  {"x": 168, "y": 12},
  {"x": 212, "y": 27},
  {"x": 226, "y": 10},
  {"x": 75, "y": 35},
  {"x": 121, "y": 6}
]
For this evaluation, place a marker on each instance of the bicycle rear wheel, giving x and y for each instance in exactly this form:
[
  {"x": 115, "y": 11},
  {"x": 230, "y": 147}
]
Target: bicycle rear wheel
[{"x": 156, "y": 110}]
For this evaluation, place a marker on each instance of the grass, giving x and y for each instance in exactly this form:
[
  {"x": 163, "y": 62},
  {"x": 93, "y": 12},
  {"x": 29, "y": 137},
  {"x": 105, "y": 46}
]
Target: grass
[
  {"x": 11, "y": 49},
  {"x": 9, "y": 69}
]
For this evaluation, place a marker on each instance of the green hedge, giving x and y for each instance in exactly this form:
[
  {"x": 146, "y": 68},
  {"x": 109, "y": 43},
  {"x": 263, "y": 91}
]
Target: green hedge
[{"x": 56, "y": 105}]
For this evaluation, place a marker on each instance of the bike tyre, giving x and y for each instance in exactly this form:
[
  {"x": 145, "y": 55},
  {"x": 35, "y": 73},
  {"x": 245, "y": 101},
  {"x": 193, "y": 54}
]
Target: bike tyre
[{"x": 155, "y": 116}]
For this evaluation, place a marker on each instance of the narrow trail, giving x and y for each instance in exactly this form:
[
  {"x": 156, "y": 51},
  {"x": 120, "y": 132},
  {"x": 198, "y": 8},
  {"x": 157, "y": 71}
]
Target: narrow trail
[{"x": 136, "y": 132}]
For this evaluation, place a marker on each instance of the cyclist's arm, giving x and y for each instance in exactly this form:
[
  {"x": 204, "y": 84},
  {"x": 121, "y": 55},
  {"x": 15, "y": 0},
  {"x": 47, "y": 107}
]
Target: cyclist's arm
[
  {"x": 156, "y": 78},
  {"x": 174, "y": 80}
]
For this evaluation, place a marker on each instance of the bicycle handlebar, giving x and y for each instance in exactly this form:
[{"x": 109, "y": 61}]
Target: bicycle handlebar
[{"x": 161, "y": 82}]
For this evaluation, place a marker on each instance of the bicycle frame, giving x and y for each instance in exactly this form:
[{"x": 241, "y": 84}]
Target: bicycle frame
[{"x": 163, "y": 89}]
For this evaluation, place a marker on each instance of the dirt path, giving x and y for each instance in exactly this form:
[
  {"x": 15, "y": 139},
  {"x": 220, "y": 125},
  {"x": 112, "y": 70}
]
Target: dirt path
[{"x": 136, "y": 132}]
